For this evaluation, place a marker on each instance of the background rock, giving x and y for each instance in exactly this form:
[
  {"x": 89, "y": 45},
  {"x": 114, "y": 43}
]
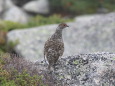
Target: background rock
[
  {"x": 2, "y": 5},
  {"x": 37, "y": 6},
  {"x": 83, "y": 70},
  {"x": 95, "y": 34},
  {"x": 16, "y": 14},
  {"x": 31, "y": 41},
  {"x": 11, "y": 9}
]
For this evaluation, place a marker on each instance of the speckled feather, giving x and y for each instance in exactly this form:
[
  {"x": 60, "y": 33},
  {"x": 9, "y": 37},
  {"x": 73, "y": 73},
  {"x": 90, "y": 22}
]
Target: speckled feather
[{"x": 54, "y": 46}]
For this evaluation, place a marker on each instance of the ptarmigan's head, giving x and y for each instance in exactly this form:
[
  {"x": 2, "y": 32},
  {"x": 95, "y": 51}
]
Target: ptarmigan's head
[{"x": 62, "y": 26}]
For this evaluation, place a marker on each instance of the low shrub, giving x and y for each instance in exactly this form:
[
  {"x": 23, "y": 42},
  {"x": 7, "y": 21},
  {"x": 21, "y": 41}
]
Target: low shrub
[{"x": 18, "y": 72}]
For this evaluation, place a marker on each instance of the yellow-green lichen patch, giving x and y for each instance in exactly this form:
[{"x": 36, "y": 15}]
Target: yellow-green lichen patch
[
  {"x": 113, "y": 58},
  {"x": 61, "y": 77},
  {"x": 75, "y": 62}
]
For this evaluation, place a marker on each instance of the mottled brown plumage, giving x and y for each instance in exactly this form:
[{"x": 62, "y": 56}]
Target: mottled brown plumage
[{"x": 54, "y": 46}]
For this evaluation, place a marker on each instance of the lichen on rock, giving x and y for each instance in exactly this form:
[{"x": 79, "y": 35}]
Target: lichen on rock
[{"x": 84, "y": 70}]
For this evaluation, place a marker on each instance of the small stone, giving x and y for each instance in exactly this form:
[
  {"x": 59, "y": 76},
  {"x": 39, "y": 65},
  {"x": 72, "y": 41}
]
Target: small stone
[
  {"x": 15, "y": 14},
  {"x": 37, "y": 6}
]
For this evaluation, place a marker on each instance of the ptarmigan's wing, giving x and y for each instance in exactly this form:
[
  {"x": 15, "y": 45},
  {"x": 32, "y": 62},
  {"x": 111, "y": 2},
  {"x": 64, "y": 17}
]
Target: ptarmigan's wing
[
  {"x": 57, "y": 47},
  {"x": 47, "y": 46},
  {"x": 60, "y": 46}
]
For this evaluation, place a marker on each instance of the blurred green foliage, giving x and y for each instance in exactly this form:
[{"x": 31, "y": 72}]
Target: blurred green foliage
[
  {"x": 81, "y": 6},
  {"x": 34, "y": 21},
  {"x": 40, "y": 20},
  {"x": 109, "y": 4},
  {"x": 9, "y": 25}
]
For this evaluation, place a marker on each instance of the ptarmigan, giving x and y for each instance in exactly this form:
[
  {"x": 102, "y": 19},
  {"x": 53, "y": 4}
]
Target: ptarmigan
[{"x": 54, "y": 46}]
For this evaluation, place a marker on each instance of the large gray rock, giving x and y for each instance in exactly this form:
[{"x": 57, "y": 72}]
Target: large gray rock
[
  {"x": 15, "y": 14},
  {"x": 96, "y": 31},
  {"x": 31, "y": 41},
  {"x": 2, "y": 5},
  {"x": 96, "y": 69},
  {"x": 37, "y": 6},
  {"x": 88, "y": 34},
  {"x": 8, "y": 4}
]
